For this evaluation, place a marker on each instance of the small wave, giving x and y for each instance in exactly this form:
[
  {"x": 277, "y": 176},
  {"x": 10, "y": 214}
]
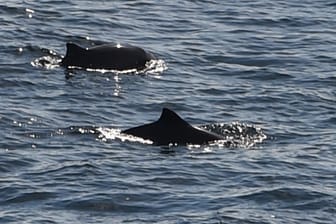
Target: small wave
[
  {"x": 102, "y": 205},
  {"x": 72, "y": 130},
  {"x": 128, "y": 203},
  {"x": 11, "y": 163},
  {"x": 31, "y": 196},
  {"x": 288, "y": 197}
]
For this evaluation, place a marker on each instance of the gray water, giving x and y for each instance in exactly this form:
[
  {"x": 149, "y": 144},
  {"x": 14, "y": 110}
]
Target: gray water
[{"x": 261, "y": 71}]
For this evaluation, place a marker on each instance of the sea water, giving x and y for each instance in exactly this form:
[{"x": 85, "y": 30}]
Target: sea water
[{"x": 260, "y": 72}]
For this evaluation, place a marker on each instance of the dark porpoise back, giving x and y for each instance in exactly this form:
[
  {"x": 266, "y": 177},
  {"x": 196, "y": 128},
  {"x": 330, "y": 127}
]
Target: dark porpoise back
[
  {"x": 106, "y": 56},
  {"x": 172, "y": 129}
]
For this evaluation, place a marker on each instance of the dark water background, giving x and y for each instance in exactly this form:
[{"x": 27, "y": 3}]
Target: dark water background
[{"x": 261, "y": 64}]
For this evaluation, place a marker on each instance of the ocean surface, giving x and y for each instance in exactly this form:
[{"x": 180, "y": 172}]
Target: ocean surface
[{"x": 261, "y": 73}]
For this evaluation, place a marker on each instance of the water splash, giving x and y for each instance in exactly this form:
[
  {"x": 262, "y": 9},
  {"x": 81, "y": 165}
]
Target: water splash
[
  {"x": 49, "y": 61},
  {"x": 236, "y": 134},
  {"x": 107, "y": 134},
  {"x": 152, "y": 67}
]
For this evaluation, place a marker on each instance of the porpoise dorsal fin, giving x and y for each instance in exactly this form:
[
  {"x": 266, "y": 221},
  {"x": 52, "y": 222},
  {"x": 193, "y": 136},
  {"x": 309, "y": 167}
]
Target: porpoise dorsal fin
[
  {"x": 170, "y": 128},
  {"x": 73, "y": 49},
  {"x": 72, "y": 54},
  {"x": 169, "y": 116}
]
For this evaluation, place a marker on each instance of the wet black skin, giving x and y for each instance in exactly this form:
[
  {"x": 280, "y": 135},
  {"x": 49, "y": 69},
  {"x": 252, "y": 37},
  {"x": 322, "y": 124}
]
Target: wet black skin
[
  {"x": 170, "y": 128},
  {"x": 106, "y": 56}
]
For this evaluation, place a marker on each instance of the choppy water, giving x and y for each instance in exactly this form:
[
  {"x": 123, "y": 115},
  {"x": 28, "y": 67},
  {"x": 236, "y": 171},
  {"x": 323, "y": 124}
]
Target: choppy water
[{"x": 264, "y": 70}]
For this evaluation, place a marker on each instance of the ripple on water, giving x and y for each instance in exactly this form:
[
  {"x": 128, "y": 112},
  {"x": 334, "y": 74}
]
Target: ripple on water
[{"x": 63, "y": 160}]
